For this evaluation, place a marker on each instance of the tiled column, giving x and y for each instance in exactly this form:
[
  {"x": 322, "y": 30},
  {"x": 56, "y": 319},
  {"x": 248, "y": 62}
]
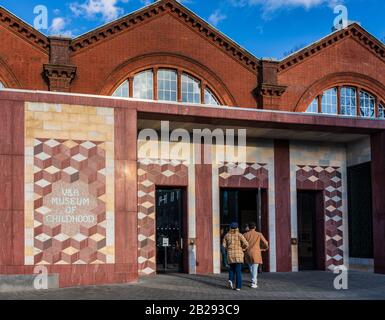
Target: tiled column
[
  {"x": 11, "y": 186},
  {"x": 282, "y": 205},
  {"x": 126, "y": 223},
  {"x": 378, "y": 187}
]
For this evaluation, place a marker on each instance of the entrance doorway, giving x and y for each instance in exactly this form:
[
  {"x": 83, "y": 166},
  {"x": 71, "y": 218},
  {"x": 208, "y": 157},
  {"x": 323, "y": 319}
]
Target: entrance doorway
[
  {"x": 171, "y": 230},
  {"x": 245, "y": 206},
  {"x": 311, "y": 230}
]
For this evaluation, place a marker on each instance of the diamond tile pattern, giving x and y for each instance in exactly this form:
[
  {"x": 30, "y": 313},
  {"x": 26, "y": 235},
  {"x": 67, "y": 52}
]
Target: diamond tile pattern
[
  {"x": 327, "y": 179},
  {"x": 152, "y": 174},
  {"x": 245, "y": 174},
  {"x": 69, "y": 161}
]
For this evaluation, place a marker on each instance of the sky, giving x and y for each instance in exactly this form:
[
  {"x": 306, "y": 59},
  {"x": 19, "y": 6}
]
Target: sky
[{"x": 266, "y": 28}]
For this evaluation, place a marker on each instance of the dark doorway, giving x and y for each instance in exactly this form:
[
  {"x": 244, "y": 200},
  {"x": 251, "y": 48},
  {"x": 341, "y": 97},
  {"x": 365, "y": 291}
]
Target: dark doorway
[
  {"x": 311, "y": 230},
  {"x": 244, "y": 206},
  {"x": 360, "y": 211},
  {"x": 171, "y": 230}
]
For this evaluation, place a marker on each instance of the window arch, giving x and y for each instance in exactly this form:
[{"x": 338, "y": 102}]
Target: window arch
[
  {"x": 191, "y": 89},
  {"x": 144, "y": 85},
  {"x": 381, "y": 111},
  {"x": 348, "y": 101},
  {"x": 167, "y": 84},
  {"x": 210, "y": 98},
  {"x": 122, "y": 90}
]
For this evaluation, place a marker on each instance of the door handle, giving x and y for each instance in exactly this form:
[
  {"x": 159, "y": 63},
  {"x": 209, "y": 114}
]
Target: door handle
[{"x": 181, "y": 243}]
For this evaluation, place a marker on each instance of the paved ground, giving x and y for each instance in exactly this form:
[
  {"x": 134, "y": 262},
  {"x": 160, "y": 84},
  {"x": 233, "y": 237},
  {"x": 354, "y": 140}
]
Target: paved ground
[{"x": 303, "y": 285}]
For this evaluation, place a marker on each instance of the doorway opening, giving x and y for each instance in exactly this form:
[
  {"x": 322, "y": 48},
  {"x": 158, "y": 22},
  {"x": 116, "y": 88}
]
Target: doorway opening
[
  {"x": 311, "y": 230},
  {"x": 171, "y": 230},
  {"x": 244, "y": 206}
]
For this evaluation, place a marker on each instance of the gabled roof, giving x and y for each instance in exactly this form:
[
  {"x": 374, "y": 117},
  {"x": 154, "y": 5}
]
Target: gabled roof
[
  {"x": 23, "y": 30},
  {"x": 354, "y": 30},
  {"x": 183, "y": 14}
]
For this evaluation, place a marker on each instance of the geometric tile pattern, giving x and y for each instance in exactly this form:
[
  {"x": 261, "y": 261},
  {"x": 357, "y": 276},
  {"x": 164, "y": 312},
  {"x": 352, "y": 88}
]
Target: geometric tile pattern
[
  {"x": 64, "y": 173},
  {"x": 152, "y": 173},
  {"x": 69, "y": 206},
  {"x": 243, "y": 175},
  {"x": 328, "y": 179}
]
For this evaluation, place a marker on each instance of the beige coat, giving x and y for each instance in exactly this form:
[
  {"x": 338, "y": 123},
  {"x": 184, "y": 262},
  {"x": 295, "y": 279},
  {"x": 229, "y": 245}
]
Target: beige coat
[
  {"x": 254, "y": 251},
  {"x": 235, "y": 243}
]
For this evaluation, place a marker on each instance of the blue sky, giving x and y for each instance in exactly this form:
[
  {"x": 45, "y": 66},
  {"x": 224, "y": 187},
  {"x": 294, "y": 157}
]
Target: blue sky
[{"x": 267, "y": 28}]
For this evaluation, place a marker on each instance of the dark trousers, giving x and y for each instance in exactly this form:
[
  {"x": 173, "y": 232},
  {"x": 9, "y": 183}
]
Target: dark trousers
[
  {"x": 224, "y": 257},
  {"x": 235, "y": 274}
]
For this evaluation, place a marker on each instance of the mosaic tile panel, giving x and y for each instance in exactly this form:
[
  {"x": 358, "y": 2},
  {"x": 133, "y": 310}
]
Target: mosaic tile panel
[
  {"x": 243, "y": 174},
  {"x": 70, "y": 213},
  {"x": 329, "y": 179},
  {"x": 152, "y": 173},
  {"x": 69, "y": 184}
]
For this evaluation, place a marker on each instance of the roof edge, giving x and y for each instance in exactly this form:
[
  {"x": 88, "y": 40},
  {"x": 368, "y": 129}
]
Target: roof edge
[
  {"x": 23, "y": 30},
  {"x": 353, "y": 30},
  {"x": 183, "y": 13}
]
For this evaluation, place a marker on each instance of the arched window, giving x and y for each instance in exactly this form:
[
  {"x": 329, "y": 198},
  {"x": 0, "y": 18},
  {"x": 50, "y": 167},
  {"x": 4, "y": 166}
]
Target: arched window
[
  {"x": 122, "y": 91},
  {"x": 329, "y": 101},
  {"x": 348, "y": 101},
  {"x": 313, "y": 108},
  {"x": 167, "y": 85},
  {"x": 381, "y": 111},
  {"x": 191, "y": 89},
  {"x": 210, "y": 98},
  {"x": 367, "y": 105},
  {"x": 144, "y": 85}
]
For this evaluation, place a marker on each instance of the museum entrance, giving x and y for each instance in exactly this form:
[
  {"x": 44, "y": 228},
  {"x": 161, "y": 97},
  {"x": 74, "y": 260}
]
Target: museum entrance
[
  {"x": 171, "y": 228},
  {"x": 244, "y": 206},
  {"x": 311, "y": 230}
]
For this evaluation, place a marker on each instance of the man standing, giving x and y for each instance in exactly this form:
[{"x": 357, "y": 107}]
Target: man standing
[
  {"x": 254, "y": 252},
  {"x": 235, "y": 244}
]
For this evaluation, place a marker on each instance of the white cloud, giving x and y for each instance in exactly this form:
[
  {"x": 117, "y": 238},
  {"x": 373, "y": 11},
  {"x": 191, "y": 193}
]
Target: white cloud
[
  {"x": 216, "y": 17},
  {"x": 108, "y": 9},
  {"x": 58, "y": 27},
  {"x": 269, "y": 6}
]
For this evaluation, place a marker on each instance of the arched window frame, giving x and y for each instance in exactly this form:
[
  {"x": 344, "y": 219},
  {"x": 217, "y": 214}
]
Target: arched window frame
[
  {"x": 180, "y": 73},
  {"x": 362, "y": 98}
]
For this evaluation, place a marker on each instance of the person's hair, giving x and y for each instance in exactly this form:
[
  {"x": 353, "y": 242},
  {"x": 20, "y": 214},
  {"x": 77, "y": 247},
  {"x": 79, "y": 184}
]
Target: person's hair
[{"x": 252, "y": 225}]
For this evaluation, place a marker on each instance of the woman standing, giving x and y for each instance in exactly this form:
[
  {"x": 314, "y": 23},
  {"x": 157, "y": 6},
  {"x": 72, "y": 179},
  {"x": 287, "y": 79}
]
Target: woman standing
[{"x": 235, "y": 244}]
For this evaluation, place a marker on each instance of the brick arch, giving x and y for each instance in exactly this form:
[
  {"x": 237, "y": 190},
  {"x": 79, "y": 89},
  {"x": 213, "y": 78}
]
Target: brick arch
[
  {"x": 168, "y": 60},
  {"x": 340, "y": 79},
  {"x": 7, "y": 77}
]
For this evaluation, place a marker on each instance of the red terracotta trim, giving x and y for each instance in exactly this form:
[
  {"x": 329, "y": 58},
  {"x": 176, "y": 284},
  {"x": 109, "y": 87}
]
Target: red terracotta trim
[
  {"x": 282, "y": 205},
  {"x": 378, "y": 186},
  {"x": 234, "y": 116}
]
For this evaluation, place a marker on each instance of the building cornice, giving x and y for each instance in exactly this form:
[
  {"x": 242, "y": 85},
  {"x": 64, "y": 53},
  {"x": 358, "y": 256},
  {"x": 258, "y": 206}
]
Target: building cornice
[
  {"x": 354, "y": 31},
  {"x": 23, "y": 30},
  {"x": 182, "y": 14}
]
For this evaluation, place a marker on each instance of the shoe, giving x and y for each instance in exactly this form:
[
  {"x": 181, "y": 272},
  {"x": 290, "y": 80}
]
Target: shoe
[
  {"x": 231, "y": 284},
  {"x": 238, "y": 289},
  {"x": 254, "y": 286}
]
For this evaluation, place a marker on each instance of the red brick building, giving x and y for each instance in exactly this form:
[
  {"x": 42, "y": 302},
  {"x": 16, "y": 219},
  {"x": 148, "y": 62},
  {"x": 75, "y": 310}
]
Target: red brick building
[{"x": 77, "y": 198}]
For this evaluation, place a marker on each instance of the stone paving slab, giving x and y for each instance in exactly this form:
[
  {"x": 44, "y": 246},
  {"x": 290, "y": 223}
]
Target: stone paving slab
[{"x": 272, "y": 286}]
